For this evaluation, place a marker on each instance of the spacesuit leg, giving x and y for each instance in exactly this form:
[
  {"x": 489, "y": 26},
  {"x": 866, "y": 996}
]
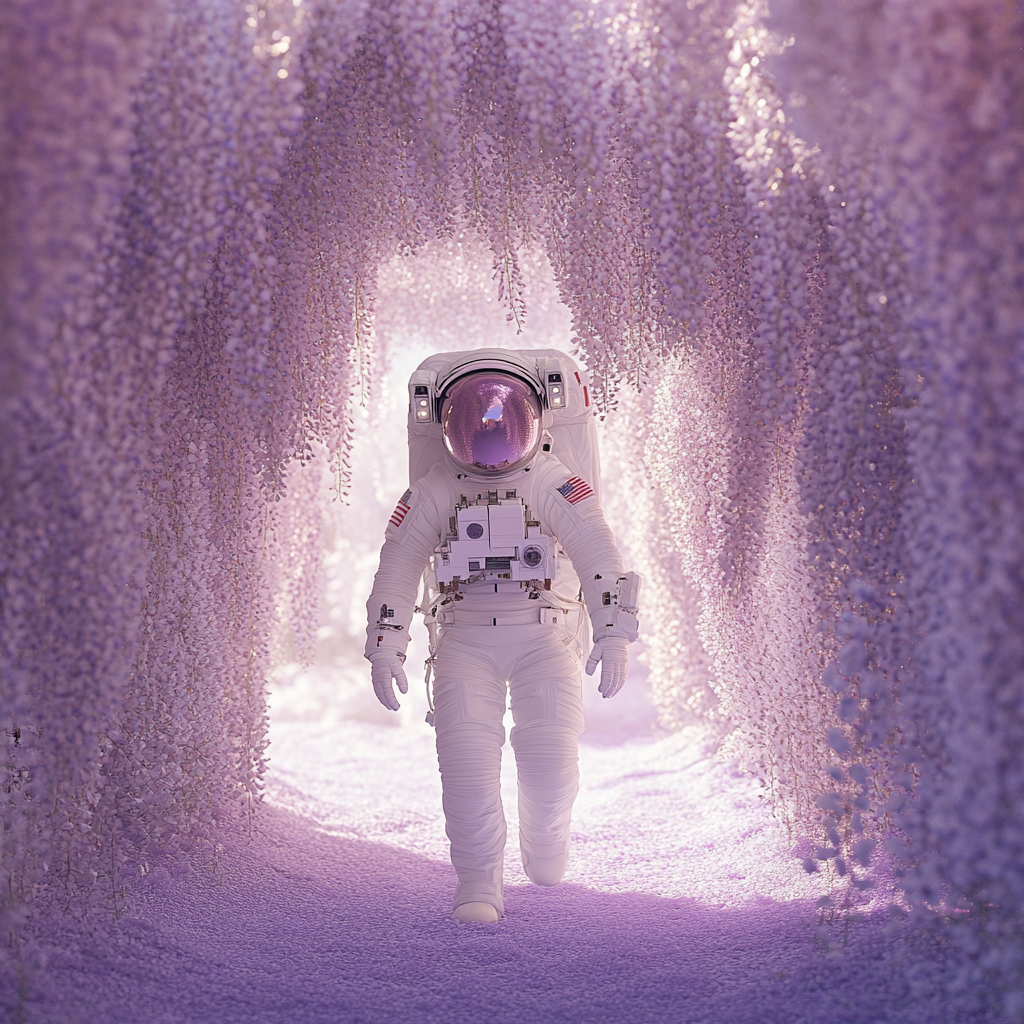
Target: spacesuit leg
[
  {"x": 547, "y": 708},
  {"x": 469, "y": 704}
]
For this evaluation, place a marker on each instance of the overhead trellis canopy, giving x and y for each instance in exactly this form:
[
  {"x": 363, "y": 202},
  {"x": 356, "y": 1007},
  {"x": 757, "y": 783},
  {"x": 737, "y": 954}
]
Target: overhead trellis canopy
[{"x": 790, "y": 246}]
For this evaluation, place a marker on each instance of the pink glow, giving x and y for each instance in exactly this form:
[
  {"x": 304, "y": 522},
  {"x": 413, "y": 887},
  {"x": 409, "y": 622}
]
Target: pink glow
[{"x": 794, "y": 272}]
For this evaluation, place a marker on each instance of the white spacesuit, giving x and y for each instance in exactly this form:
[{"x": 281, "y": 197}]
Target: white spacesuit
[{"x": 510, "y": 537}]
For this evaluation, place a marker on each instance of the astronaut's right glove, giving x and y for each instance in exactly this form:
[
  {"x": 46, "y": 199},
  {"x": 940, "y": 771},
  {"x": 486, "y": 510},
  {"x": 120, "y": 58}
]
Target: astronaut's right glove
[
  {"x": 385, "y": 666},
  {"x": 613, "y": 653}
]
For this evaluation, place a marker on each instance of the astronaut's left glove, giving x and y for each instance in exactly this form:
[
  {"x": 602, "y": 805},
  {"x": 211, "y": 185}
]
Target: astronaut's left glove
[
  {"x": 613, "y": 653},
  {"x": 385, "y": 666}
]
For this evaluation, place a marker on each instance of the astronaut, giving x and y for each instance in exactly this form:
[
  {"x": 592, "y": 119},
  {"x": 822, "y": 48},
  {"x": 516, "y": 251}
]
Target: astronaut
[{"x": 509, "y": 541}]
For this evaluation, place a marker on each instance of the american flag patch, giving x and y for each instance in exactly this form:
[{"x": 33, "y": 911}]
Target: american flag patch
[
  {"x": 401, "y": 509},
  {"x": 575, "y": 489}
]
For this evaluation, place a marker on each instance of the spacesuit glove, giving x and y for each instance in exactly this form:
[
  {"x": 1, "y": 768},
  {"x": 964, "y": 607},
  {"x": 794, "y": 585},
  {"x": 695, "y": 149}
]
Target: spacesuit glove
[
  {"x": 613, "y": 653},
  {"x": 385, "y": 666}
]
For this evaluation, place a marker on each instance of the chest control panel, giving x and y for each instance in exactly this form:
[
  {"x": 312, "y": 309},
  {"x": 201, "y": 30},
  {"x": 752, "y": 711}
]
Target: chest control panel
[{"x": 494, "y": 538}]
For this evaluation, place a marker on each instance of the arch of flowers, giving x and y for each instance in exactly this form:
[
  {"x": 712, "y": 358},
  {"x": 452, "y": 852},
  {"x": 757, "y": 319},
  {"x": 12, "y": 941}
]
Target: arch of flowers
[{"x": 791, "y": 246}]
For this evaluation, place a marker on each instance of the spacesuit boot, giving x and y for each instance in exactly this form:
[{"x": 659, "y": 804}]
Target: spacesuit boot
[
  {"x": 475, "y": 913},
  {"x": 479, "y": 902}
]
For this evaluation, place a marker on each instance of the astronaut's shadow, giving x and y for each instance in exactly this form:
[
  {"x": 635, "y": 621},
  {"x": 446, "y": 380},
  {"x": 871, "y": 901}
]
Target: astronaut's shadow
[{"x": 301, "y": 926}]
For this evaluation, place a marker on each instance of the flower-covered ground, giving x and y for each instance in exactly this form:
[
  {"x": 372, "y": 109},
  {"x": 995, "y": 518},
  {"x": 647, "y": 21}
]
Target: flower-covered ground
[{"x": 683, "y": 904}]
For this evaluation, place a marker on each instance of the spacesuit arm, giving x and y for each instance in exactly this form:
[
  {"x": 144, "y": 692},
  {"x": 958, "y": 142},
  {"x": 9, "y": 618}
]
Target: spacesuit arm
[
  {"x": 610, "y": 592},
  {"x": 409, "y": 540}
]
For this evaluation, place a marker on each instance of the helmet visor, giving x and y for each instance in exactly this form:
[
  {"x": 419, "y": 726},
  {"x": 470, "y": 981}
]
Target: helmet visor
[{"x": 491, "y": 422}]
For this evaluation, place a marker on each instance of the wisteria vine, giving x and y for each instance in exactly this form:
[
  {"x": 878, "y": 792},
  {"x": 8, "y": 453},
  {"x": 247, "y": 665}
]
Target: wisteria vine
[{"x": 790, "y": 244}]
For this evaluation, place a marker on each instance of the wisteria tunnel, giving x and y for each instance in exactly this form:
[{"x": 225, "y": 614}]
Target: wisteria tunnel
[{"x": 786, "y": 239}]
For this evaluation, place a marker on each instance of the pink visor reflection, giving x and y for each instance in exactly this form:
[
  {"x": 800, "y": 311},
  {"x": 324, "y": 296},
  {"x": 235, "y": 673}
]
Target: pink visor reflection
[{"x": 491, "y": 422}]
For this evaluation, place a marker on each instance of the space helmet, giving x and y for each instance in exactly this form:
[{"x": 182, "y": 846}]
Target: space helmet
[{"x": 490, "y": 422}]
